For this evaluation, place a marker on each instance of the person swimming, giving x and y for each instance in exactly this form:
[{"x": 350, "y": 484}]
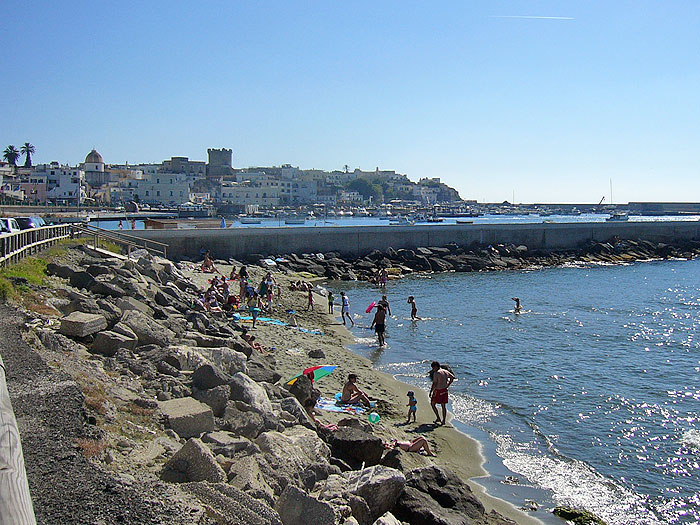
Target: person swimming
[{"x": 518, "y": 308}]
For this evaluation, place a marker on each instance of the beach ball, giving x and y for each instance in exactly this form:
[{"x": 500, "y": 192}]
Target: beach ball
[{"x": 374, "y": 417}]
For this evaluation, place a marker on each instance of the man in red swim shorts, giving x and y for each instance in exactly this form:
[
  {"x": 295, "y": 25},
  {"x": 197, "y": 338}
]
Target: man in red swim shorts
[{"x": 442, "y": 379}]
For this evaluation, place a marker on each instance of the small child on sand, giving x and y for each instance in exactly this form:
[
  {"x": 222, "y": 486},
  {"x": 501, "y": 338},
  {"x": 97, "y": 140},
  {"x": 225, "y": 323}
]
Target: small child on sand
[
  {"x": 412, "y": 406},
  {"x": 310, "y": 306}
]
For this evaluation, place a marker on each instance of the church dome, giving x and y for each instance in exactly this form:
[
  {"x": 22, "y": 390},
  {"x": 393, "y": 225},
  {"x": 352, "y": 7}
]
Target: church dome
[{"x": 94, "y": 158}]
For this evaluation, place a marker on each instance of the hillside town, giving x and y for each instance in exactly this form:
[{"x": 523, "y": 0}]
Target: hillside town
[{"x": 180, "y": 181}]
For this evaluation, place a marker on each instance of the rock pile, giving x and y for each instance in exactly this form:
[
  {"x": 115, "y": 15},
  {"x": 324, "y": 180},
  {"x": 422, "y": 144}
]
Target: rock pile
[
  {"x": 475, "y": 257},
  {"x": 238, "y": 442}
]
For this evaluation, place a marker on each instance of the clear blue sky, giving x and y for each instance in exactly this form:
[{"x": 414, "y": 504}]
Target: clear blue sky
[{"x": 477, "y": 92}]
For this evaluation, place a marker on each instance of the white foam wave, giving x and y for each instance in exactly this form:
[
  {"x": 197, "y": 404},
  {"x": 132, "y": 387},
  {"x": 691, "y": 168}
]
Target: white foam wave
[
  {"x": 691, "y": 439},
  {"x": 575, "y": 484}
]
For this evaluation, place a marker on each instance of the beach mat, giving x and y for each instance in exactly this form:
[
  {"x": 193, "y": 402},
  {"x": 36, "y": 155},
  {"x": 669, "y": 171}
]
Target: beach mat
[
  {"x": 277, "y": 322},
  {"x": 325, "y": 403}
]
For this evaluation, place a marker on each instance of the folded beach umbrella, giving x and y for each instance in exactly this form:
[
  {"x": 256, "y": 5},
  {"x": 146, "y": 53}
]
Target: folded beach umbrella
[{"x": 318, "y": 371}]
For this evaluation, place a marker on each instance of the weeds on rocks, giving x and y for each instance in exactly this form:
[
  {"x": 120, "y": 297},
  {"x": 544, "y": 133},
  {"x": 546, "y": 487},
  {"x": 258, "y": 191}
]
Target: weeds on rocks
[{"x": 91, "y": 447}]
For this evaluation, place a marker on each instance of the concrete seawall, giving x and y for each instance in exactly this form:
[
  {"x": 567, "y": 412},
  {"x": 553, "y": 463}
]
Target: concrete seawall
[{"x": 360, "y": 240}]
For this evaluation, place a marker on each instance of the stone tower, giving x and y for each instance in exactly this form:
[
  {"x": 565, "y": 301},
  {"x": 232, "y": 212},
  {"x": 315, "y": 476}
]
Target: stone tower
[{"x": 220, "y": 163}]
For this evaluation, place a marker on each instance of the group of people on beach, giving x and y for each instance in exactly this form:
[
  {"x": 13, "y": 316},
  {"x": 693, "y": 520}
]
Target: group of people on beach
[{"x": 219, "y": 297}]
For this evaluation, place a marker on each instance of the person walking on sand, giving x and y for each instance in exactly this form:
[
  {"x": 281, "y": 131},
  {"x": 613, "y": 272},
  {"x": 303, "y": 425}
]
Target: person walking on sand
[
  {"x": 330, "y": 302},
  {"x": 352, "y": 395},
  {"x": 378, "y": 323},
  {"x": 310, "y": 306},
  {"x": 345, "y": 309},
  {"x": 442, "y": 379},
  {"x": 414, "y": 309}
]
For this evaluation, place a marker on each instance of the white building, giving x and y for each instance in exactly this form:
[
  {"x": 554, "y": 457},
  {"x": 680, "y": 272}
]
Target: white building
[
  {"x": 64, "y": 184},
  {"x": 245, "y": 194},
  {"x": 168, "y": 189}
]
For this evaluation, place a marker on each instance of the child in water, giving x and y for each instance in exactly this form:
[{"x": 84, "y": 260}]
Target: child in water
[
  {"x": 412, "y": 406},
  {"x": 414, "y": 309}
]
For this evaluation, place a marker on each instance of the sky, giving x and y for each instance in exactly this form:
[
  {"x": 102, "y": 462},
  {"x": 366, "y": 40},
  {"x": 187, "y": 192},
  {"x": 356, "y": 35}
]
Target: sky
[{"x": 531, "y": 101}]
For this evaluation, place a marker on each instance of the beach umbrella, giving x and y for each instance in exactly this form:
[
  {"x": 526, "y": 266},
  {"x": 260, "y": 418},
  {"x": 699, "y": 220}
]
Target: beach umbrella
[{"x": 319, "y": 371}]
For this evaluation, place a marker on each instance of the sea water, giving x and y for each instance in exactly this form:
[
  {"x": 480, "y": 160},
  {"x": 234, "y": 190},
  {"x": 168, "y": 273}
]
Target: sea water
[{"x": 590, "y": 395}]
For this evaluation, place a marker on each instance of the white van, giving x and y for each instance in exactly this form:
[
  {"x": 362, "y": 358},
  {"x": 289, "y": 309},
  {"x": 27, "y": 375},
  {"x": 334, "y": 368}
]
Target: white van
[{"x": 9, "y": 225}]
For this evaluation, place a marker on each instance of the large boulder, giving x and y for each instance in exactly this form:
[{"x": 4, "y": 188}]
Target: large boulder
[
  {"x": 81, "y": 279},
  {"x": 378, "y": 486},
  {"x": 193, "y": 462},
  {"x": 216, "y": 398},
  {"x": 303, "y": 390},
  {"x": 292, "y": 405},
  {"x": 245, "y": 474},
  {"x": 387, "y": 519},
  {"x": 107, "y": 343},
  {"x": 81, "y": 324},
  {"x": 356, "y": 447},
  {"x": 296, "y": 507},
  {"x": 227, "y": 444},
  {"x": 242, "y": 423},
  {"x": 232, "y": 506},
  {"x": 298, "y": 456},
  {"x": 146, "y": 329},
  {"x": 261, "y": 368},
  {"x": 243, "y": 388},
  {"x": 131, "y": 303},
  {"x": 101, "y": 287},
  {"x": 187, "y": 416},
  {"x": 61, "y": 270},
  {"x": 436, "y": 495},
  {"x": 209, "y": 376}
]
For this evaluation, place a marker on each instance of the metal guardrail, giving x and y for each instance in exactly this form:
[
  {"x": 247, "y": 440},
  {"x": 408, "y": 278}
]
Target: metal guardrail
[
  {"x": 129, "y": 241},
  {"x": 16, "y": 246}
]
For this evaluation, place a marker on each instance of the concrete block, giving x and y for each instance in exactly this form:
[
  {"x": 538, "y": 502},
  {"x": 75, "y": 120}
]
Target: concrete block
[
  {"x": 188, "y": 417},
  {"x": 80, "y": 324}
]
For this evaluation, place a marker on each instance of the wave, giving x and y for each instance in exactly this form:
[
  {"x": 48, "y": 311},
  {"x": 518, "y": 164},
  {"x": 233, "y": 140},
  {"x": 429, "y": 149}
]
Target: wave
[
  {"x": 576, "y": 484},
  {"x": 691, "y": 439}
]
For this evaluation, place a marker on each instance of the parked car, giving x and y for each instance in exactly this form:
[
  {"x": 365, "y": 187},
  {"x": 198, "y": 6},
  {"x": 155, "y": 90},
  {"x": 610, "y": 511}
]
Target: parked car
[
  {"x": 9, "y": 225},
  {"x": 30, "y": 222}
]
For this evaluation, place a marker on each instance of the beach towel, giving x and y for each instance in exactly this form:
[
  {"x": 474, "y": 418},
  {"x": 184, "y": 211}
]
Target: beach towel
[
  {"x": 331, "y": 405},
  {"x": 277, "y": 322}
]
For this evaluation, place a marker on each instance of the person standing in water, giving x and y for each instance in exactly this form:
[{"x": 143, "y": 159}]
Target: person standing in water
[
  {"x": 518, "y": 308},
  {"x": 414, "y": 309},
  {"x": 345, "y": 308},
  {"x": 385, "y": 303},
  {"x": 378, "y": 323}
]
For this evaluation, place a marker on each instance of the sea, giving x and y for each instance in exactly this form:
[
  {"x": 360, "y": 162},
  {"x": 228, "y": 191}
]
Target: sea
[{"x": 590, "y": 397}]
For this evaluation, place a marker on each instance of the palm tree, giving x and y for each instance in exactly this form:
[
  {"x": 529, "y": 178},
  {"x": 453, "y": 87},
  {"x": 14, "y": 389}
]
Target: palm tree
[
  {"x": 27, "y": 150},
  {"x": 11, "y": 154}
]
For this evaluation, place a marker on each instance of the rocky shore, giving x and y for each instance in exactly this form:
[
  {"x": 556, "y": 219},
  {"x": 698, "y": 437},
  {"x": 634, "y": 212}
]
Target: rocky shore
[
  {"x": 137, "y": 406},
  {"x": 473, "y": 258}
]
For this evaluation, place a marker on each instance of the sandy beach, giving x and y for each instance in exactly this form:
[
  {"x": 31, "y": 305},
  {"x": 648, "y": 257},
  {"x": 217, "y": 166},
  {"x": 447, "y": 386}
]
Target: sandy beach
[{"x": 290, "y": 346}]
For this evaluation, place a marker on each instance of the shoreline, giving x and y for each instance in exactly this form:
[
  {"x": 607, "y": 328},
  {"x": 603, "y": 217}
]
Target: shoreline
[
  {"x": 459, "y": 451},
  {"x": 454, "y": 449}
]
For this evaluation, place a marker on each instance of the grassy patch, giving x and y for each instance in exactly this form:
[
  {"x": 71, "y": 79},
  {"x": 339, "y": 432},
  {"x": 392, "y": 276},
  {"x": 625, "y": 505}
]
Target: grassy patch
[{"x": 91, "y": 447}]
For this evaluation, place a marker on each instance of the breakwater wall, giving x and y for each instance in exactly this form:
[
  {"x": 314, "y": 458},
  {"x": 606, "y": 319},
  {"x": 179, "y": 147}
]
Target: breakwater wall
[{"x": 360, "y": 240}]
